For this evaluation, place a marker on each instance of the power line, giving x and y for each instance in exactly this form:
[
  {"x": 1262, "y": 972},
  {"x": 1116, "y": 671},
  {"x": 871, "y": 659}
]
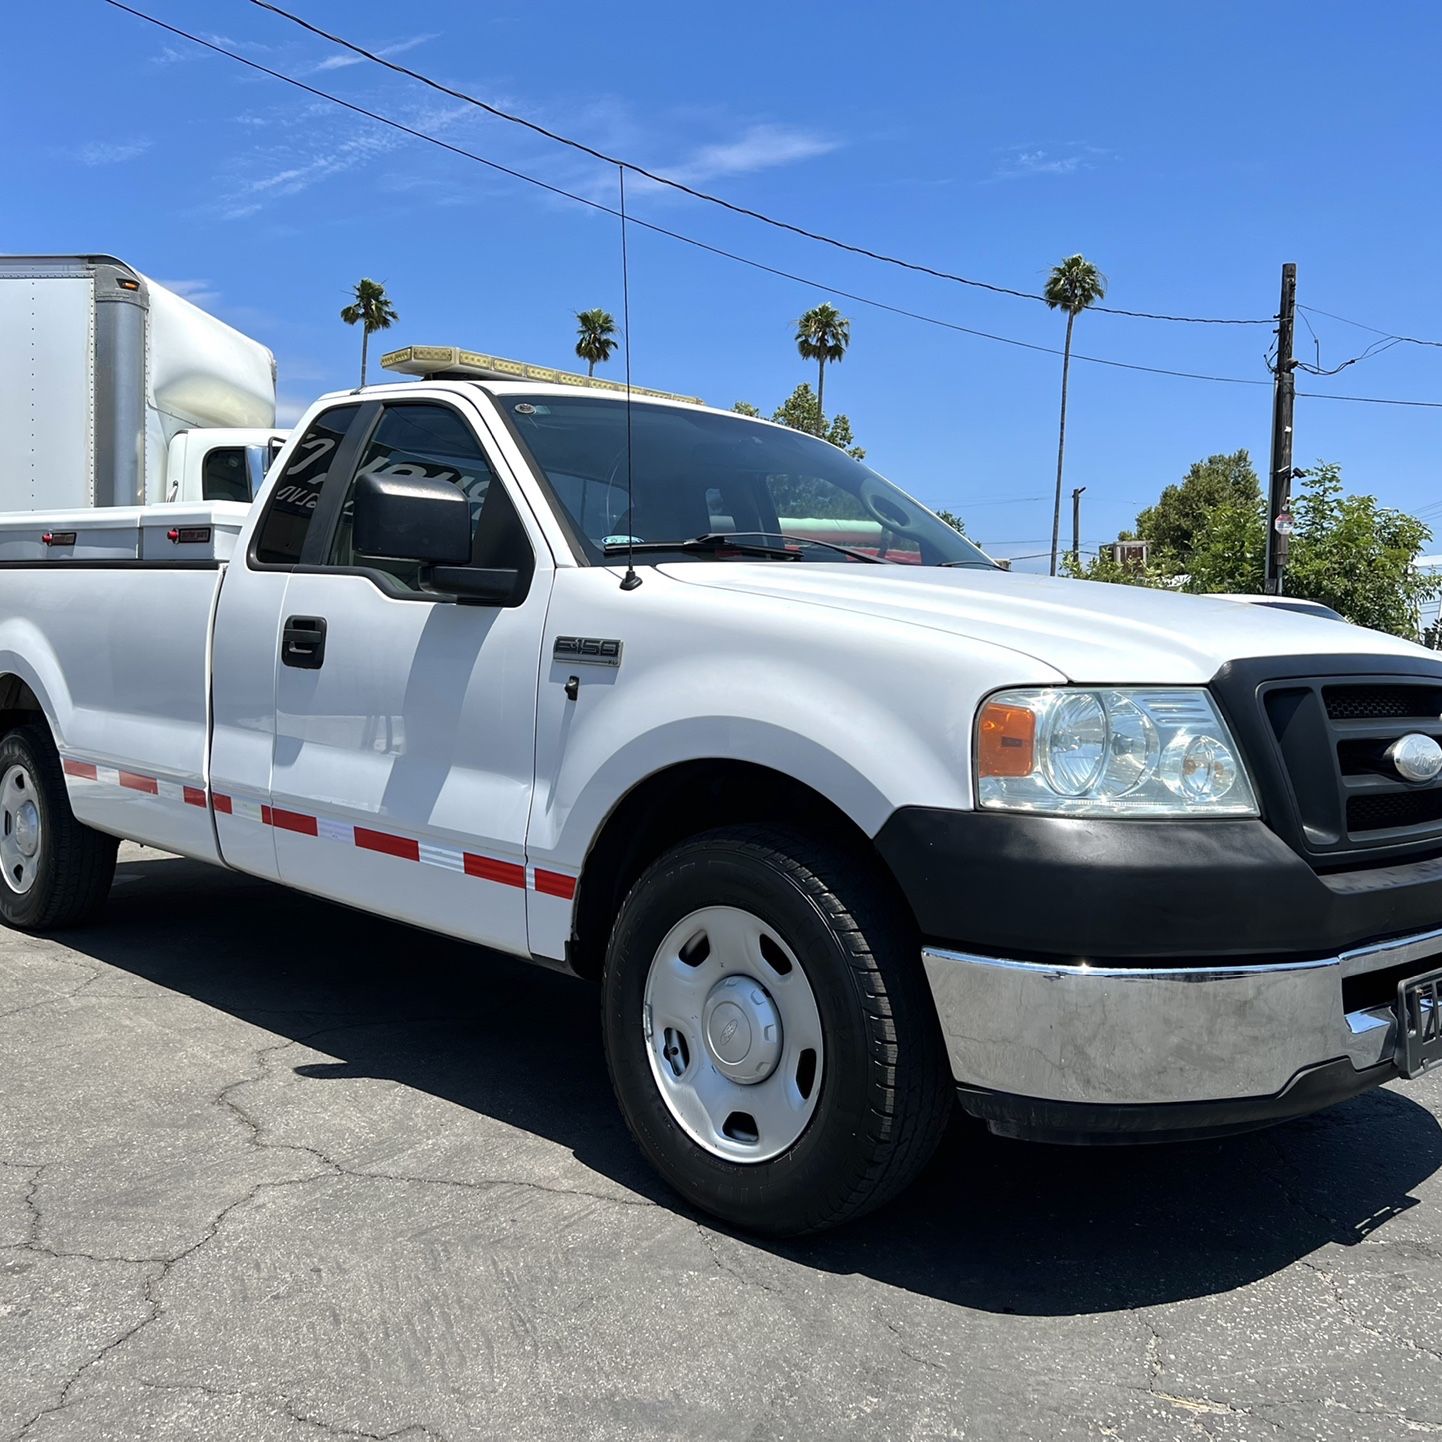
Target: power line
[
  {"x": 683, "y": 188},
  {"x": 1371, "y": 400},
  {"x": 1376, "y": 330},
  {"x": 597, "y": 205}
]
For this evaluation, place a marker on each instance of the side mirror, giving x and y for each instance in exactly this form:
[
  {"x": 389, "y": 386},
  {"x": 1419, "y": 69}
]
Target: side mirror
[{"x": 411, "y": 518}]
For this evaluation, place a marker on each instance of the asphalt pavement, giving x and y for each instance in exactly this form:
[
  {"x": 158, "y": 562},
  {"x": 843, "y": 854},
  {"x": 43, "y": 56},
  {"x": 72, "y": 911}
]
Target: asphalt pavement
[{"x": 270, "y": 1169}]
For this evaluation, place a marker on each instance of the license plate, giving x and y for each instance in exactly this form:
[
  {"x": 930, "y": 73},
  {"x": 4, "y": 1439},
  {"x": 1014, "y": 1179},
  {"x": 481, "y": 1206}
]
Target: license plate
[{"x": 1419, "y": 1023}]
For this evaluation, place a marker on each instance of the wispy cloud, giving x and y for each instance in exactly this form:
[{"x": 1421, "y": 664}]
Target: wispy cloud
[
  {"x": 323, "y": 155},
  {"x": 758, "y": 147},
  {"x": 343, "y": 61},
  {"x": 171, "y": 54},
  {"x": 755, "y": 147},
  {"x": 110, "y": 152},
  {"x": 290, "y": 148},
  {"x": 1018, "y": 162},
  {"x": 198, "y": 292}
]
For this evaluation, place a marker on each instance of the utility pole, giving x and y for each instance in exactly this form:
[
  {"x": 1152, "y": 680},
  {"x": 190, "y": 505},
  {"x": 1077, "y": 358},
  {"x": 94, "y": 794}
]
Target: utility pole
[
  {"x": 1076, "y": 496},
  {"x": 1279, "y": 488}
]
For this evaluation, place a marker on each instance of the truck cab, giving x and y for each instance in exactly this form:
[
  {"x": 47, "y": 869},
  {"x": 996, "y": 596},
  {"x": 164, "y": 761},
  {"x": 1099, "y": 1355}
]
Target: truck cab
[{"x": 220, "y": 463}]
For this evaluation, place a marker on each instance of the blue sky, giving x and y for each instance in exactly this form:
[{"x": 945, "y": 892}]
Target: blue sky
[{"x": 1188, "y": 151}]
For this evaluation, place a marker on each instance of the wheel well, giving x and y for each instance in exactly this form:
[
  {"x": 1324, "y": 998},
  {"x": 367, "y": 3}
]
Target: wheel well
[
  {"x": 682, "y": 801},
  {"x": 18, "y": 704}
]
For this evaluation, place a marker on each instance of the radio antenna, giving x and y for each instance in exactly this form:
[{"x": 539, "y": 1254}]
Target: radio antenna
[{"x": 631, "y": 580}]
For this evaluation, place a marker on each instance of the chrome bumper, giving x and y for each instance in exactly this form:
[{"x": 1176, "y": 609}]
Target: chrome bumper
[{"x": 1143, "y": 1036}]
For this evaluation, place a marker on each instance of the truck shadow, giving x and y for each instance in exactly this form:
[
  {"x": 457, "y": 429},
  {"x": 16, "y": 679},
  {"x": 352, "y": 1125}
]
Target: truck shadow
[{"x": 995, "y": 1225}]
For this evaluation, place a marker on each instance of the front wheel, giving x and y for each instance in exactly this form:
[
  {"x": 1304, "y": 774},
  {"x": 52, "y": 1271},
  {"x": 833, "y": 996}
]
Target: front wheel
[
  {"x": 54, "y": 872},
  {"x": 769, "y": 1032}
]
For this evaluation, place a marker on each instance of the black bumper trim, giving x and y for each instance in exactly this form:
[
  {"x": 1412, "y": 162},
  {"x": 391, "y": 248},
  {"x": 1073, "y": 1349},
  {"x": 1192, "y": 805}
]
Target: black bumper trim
[
  {"x": 1081, "y": 889},
  {"x": 1094, "y": 1124}
]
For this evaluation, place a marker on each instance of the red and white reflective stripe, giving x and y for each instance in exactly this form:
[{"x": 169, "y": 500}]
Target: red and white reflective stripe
[
  {"x": 553, "y": 883},
  {"x": 403, "y": 848},
  {"x": 134, "y": 781},
  {"x": 365, "y": 838}
]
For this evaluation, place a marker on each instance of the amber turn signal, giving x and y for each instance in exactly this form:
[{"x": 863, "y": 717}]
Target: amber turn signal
[{"x": 1006, "y": 740}]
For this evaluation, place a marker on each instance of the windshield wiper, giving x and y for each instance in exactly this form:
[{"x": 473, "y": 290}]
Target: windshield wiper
[
  {"x": 711, "y": 542},
  {"x": 812, "y": 541}
]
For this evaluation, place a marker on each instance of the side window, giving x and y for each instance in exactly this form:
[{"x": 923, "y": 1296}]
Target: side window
[
  {"x": 282, "y": 530},
  {"x": 224, "y": 475},
  {"x": 434, "y": 441}
]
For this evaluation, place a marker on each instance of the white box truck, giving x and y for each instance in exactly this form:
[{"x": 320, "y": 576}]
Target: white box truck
[{"x": 115, "y": 391}]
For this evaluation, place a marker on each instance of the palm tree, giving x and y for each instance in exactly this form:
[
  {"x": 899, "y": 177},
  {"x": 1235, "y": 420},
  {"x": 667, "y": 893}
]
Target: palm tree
[
  {"x": 1072, "y": 286},
  {"x": 595, "y": 341},
  {"x": 373, "y": 311},
  {"x": 822, "y": 335}
]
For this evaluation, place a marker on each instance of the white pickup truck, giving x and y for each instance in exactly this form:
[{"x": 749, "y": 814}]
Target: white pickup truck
[{"x": 845, "y": 831}]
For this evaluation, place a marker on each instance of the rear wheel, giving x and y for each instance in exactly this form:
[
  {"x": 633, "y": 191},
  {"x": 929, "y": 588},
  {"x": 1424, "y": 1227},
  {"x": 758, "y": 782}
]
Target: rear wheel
[
  {"x": 769, "y": 1032},
  {"x": 54, "y": 872}
]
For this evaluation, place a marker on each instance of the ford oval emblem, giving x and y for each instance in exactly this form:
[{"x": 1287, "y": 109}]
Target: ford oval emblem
[{"x": 1416, "y": 757}]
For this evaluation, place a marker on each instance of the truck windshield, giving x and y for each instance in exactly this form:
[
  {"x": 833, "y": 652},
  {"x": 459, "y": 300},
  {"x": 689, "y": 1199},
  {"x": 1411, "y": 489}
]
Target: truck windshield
[{"x": 696, "y": 474}]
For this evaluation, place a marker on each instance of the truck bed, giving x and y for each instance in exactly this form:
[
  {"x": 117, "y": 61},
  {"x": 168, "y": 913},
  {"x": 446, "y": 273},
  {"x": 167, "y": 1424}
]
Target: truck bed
[{"x": 108, "y": 613}]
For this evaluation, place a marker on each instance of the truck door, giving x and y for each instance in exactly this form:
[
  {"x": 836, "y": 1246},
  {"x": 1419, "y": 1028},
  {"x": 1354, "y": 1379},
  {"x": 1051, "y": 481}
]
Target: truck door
[
  {"x": 405, "y": 724},
  {"x": 247, "y": 635}
]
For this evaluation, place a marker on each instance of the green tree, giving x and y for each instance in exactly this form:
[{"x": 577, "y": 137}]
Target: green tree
[
  {"x": 372, "y": 311},
  {"x": 1072, "y": 286},
  {"x": 1357, "y": 556},
  {"x": 801, "y": 410},
  {"x": 596, "y": 340},
  {"x": 745, "y": 408},
  {"x": 822, "y": 335},
  {"x": 952, "y": 520},
  {"x": 1185, "y": 509},
  {"x": 1346, "y": 551}
]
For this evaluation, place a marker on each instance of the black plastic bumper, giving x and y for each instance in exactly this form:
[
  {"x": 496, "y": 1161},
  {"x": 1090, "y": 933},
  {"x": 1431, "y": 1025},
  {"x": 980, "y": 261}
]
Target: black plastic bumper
[
  {"x": 1073, "y": 889},
  {"x": 1090, "y": 1124}
]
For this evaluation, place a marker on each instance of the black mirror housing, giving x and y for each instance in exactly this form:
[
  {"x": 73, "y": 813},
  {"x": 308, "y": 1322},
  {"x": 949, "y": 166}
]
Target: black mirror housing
[
  {"x": 411, "y": 518},
  {"x": 477, "y": 585}
]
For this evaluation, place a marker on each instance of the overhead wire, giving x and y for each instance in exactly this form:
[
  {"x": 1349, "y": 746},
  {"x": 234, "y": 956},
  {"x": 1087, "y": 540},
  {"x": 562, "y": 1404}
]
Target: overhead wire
[
  {"x": 560, "y": 191},
  {"x": 418, "y": 134},
  {"x": 497, "y": 112},
  {"x": 1376, "y": 330}
]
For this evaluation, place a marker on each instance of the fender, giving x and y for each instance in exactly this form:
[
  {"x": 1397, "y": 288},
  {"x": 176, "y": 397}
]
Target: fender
[{"x": 24, "y": 652}]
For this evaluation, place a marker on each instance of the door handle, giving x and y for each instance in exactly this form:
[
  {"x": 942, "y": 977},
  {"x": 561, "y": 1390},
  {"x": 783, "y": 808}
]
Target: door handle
[{"x": 303, "y": 642}]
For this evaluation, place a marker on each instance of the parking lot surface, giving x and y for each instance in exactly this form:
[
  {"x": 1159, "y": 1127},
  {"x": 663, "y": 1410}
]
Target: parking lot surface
[{"x": 270, "y": 1169}]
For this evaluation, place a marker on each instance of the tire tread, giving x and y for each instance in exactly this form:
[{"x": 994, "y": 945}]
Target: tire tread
[{"x": 82, "y": 860}]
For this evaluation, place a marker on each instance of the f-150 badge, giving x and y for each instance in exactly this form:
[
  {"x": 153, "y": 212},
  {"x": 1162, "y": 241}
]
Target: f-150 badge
[{"x": 589, "y": 650}]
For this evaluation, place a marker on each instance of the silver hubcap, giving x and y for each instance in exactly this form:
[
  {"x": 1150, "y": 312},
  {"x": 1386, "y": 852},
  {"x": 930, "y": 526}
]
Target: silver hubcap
[
  {"x": 733, "y": 1034},
  {"x": 19, "y": 829}
]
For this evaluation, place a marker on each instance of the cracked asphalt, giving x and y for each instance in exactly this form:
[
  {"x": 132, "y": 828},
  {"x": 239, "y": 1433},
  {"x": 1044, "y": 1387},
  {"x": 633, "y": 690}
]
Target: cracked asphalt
[{"x": 274, "y": 1170}]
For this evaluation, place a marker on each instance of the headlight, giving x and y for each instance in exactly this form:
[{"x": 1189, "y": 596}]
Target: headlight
[{"x": 1109, "y": 752}]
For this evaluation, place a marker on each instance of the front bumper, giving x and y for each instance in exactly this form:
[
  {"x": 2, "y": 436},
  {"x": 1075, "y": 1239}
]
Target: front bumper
[{"x": 1087, "y": 1053}]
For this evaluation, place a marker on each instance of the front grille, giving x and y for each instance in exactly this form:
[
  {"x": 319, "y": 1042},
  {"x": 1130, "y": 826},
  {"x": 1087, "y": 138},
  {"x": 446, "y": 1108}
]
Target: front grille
[
  {"x": 1374, "y": 703},
  {"x": 1390, "y": 810},
  {"x": 1334, "y": 736}
]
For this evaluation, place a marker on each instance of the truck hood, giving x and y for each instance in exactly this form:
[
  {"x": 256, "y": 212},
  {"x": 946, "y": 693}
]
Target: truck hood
[{"x": 1090, "y": 632}]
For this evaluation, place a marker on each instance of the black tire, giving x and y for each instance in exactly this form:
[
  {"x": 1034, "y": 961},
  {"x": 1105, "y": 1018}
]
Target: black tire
[
  {"x": 74, "y": 865},
  {"x": 885, "y": 1090}
]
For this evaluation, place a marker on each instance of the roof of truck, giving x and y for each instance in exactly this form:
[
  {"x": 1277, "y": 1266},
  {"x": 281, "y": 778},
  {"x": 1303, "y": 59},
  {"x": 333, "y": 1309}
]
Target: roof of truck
[{"x": 500, "y": 388}]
